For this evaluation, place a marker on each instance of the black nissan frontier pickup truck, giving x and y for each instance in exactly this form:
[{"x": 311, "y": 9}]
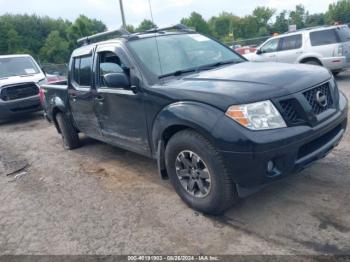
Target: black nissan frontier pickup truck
[{"x": 220, "y": 127}]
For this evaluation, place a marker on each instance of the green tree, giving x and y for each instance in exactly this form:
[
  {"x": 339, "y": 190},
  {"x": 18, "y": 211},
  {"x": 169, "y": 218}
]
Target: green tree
[
  {"x": 145, "y": 25},
  {"x": 339, "y": 12},
  {"x": 315, "y": 20},
  {"x": 298, "y": 16},
  {"x": 281, "y": 23},
  {"x": 83, "y": 26},
  {"x": 30, "y": 33},
  {"x": 222, "y": 26},
  {"x": 13, "y": 41},
  {"x": 197, "y": 22},
  {"x": 55, "y": 49},
  {"x": 130, "y": 28},
  {"x": 263, "y": 15}
]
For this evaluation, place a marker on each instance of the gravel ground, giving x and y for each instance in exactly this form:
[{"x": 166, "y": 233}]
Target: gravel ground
[{"x": 103, "y": 200}]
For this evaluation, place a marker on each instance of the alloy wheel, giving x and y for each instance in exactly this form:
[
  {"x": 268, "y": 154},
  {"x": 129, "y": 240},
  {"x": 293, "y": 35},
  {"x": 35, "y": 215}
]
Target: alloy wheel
[{"x": 193, "y": 174}]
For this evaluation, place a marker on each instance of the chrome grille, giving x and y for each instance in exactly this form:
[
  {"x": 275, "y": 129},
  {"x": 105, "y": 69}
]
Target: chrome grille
[{"x": 310, "y": 96}]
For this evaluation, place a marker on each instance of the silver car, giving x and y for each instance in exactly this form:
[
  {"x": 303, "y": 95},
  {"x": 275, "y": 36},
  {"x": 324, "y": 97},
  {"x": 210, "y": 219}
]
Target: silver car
[{"x": 327, "y": 46}]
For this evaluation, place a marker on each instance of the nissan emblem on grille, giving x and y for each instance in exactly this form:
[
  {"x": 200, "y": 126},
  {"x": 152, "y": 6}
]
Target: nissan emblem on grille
[{"x": 321, "y": 98}]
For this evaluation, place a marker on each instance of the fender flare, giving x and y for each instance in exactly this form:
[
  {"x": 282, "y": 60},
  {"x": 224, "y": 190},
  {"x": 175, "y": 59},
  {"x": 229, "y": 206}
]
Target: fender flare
[
  {"x": 57, "y": 105},
  {"x": 198, "y": 116},
  {"x": 178, "y": 116}
]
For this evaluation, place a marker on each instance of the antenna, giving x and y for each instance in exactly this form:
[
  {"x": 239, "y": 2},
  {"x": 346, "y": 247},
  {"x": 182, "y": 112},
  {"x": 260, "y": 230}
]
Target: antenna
[
  {"x": 122, "y": 13},
  {"x": 155, "y": 37}
]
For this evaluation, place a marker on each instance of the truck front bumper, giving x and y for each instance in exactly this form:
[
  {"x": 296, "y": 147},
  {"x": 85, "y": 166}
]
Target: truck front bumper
[
  {"x": 9, "y": 109},
  {"x": 274, "y": 154}
]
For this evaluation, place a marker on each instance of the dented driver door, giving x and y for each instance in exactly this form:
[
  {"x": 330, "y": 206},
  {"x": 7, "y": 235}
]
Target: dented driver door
[{"x": 120, "y": 111}]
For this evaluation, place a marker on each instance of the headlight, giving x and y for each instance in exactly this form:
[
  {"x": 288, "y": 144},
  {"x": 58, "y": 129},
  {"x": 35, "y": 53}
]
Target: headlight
[{"x": 257, "y": 116}]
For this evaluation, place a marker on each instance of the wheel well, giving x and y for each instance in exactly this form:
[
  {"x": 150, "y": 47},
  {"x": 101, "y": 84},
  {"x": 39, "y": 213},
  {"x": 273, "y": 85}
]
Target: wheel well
[
  {"x": 305, "y": 60},
  {"x": 172, "y": 130}
]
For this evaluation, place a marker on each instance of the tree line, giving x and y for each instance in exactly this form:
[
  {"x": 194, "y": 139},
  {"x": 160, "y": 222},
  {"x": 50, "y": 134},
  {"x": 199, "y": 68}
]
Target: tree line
[{"x": 52, "y": 40}]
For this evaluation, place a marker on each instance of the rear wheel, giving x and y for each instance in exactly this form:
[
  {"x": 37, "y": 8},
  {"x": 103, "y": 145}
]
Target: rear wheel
[
  {"x": 335, "y": 73},
  {"x": 69, "y": 134},
  {"x": 198, "y": 174}
]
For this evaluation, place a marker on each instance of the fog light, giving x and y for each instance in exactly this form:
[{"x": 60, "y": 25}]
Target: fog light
[{"x": 270, "y": 166}]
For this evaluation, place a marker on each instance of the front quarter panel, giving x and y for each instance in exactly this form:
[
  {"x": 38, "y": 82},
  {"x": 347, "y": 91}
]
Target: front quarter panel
[{"x": 200, "y": 117}]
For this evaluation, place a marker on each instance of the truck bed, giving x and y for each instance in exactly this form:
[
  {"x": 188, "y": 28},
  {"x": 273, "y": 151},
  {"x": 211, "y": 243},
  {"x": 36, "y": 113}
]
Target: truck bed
[
  {"x": 56, "y": 85},
  {"x": 55, "y": 94}
]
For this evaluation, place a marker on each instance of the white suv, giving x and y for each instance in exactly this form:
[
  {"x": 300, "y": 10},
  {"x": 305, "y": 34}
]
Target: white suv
[{"x": 327, "y": 46}]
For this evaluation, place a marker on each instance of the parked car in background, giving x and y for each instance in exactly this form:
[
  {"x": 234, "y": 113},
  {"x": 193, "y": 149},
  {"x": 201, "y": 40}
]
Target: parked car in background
[
  {"x": 55, "y": 72},
  {"x": 218, "y": 125},
  {"x": 19, "y": 91},
  {"x": 55, "y": 78},
  {"x": 245, "y": 50},
  {"x": 325, "y": 46}
]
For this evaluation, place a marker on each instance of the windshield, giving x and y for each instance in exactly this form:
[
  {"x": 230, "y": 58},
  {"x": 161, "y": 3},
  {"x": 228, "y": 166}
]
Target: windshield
[
  {"x": 17, "y": 66},
  {"x": 180, "y": 53}
]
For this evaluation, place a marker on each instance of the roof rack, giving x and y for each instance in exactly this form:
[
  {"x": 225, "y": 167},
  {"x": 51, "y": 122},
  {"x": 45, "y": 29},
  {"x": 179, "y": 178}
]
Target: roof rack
[
  {"x": 307, "y": 28},
  {"x": 178, "y": 27},
  {"x": 103, "y": 36},
  {"x": 123, "y": 33}
]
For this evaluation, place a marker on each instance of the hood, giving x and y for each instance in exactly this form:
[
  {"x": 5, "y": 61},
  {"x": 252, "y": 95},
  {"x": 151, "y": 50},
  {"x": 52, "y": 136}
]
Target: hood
[
  {"x": 21, "y": 79},
  {"x": 246, "y": 82}
]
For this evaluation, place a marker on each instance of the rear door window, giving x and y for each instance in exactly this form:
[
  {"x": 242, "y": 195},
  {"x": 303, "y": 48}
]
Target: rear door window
[
  {"x": 82, "y": 73},
  {"x": 324, "y": 37},
  {"x": 291, "y": 42}
]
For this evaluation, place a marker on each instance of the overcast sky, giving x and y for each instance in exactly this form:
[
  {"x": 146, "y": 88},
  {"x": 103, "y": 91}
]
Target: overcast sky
[{"x": 165, "y": 12}]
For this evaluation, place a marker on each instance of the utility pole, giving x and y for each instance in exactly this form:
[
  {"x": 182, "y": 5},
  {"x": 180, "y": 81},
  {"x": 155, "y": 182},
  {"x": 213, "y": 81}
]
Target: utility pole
[{"x": 122, "y": 13}]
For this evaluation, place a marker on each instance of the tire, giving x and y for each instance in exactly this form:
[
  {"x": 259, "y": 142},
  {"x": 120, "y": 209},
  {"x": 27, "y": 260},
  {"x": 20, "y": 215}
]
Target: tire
[
  {"x": 336, "y": 73},
  {"x": 312, "y": 62},
  {"x": 221, "y": 192},
  {"x": 69, "y": 135}
]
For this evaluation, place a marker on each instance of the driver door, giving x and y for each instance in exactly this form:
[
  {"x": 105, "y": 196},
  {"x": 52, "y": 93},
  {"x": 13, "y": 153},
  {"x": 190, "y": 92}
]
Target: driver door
[{"x": 120, "y": 110}]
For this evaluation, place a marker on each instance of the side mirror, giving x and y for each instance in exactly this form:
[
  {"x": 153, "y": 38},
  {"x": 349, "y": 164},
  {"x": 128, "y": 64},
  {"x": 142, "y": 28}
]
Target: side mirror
[
  {"x": 259, "y": 52},
  {"x": 117, "y": 80}
]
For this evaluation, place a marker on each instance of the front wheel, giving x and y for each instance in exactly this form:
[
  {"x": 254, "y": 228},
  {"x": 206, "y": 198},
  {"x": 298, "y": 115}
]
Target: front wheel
[{"x": 198, "y": 174}]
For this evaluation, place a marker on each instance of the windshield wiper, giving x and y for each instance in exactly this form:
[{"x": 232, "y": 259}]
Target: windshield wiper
[
  {"x": 178, "y": 72},
  {"x": 217, "y": 64},
  {"x": 199, "y": 68}
]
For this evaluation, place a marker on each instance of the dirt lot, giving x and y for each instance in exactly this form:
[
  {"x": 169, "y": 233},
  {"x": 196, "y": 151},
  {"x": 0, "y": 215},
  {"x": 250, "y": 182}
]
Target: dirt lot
[{"x": 104, "y": 200}]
